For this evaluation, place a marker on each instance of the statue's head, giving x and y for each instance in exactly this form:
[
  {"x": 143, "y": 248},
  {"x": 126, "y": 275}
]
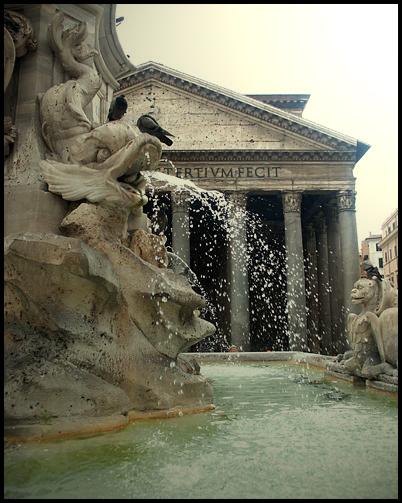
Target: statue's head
[
  {"x": 84, "y": 53},
  {"x": 80, "y": 49},
  {"x": 374, "y": 294},
  {"x": 365, "y": 291}
]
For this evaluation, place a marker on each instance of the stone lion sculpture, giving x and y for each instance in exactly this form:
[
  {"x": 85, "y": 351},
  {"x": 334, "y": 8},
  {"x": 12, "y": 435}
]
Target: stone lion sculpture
[{"x": 372, "y": 334}]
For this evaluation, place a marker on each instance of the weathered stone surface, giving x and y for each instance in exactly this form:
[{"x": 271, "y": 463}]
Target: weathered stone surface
[
  {"x": 36, "y": 72},
  {"x": 93, "y": 329},
  {"x": 174, "y": 301},
  {"x": 198, "y": 124},
  {"x": 382, "y": 386},
  {"x": 18, "y": 40},
  {"x": 391, "y": 379},
  {"x": 32, "y": 209},
  {"x": 82, "y": 337},
  {"x": 149, "y": 247}
]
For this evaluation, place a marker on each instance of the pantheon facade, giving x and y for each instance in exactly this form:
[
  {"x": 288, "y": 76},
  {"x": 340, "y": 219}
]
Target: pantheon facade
[{"x": 294, "y": 177}]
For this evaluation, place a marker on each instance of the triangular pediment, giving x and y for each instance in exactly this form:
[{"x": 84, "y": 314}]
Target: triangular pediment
[
  {"x": 201, "y": 124},
  {"x": 203, "y": 116}
]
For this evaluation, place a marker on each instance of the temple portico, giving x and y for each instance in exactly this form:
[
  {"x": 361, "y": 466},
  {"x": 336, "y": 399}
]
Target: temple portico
[
  {"x": 313, "y": 264},
  {"x": 281, "y": 276}
]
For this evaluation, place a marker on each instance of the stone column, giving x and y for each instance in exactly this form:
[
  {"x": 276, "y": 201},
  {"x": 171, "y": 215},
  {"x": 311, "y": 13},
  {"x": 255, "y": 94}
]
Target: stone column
[
  {"x": 238, "y": 274},
  {"x": 323, "y": 283},
  {"x": 181, "y": 225},
  {"x": 349, "y": 247},
  {"x": 335, "y": 276},
  {"x": 312, "y": 298},
  {"x": 296, "y": 294}
]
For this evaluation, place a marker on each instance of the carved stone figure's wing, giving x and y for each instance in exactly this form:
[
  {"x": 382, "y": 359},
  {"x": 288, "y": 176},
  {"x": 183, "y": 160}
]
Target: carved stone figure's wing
[{"x": 74, "y": 182}]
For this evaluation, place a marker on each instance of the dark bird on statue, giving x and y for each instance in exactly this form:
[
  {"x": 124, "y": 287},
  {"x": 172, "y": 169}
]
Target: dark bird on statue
[
  {"x": 147, "y": 124},
  {"x": 117, "y": 108},
  {"x": 370, "y": 270}
]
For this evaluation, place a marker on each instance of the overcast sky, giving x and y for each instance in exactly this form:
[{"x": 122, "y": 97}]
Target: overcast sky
[{"x": 345, "y": 56}]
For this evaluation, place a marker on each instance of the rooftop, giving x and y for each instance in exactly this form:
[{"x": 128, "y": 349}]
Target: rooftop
[{"x": 390, "y": 217}]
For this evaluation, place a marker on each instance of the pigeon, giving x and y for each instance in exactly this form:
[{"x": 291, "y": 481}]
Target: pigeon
[
  {"x": 147, "y": 124},
  {"x": 371, "y": 270},
  {"x": 117, "y": 108}
]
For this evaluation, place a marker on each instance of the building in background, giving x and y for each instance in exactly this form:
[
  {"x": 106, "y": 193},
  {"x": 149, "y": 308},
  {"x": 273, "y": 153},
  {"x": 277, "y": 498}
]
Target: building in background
[
  {"x": 389, "y": 245},
  {"x": 372, "y": 248},
  {"x": 295, "y": 176}
]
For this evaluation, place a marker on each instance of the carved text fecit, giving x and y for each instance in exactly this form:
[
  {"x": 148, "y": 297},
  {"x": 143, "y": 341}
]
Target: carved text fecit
[{"x": 222, "y": 172}]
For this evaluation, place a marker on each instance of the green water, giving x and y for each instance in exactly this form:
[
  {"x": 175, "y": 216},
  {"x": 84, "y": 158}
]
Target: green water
[{"x": 274, "y": 434}]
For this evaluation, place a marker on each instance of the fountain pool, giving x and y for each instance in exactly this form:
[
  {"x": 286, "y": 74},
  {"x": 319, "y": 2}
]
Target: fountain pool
[{"x": 279, "y": 430}]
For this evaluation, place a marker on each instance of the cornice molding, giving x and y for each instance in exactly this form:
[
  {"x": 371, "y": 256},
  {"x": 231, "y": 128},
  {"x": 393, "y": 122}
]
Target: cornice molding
[
  {"x": 242, "y": 104},
  {"x": 180, "y": 200},
  {"x": 258, "y": 156}
]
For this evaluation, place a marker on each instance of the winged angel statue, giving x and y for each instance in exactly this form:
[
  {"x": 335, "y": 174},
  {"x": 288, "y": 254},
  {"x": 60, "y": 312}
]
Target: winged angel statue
[{"x": 99, "y": 163}]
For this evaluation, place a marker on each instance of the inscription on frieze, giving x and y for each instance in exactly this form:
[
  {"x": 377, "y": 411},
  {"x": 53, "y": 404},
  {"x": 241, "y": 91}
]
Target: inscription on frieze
[{"x": 224, "y": 172}]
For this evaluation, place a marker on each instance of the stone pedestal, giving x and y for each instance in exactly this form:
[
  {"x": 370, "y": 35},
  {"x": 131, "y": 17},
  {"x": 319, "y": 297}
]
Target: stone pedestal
[
  {"x": 28, "y": 206},
  {"x": 181, "y": 225},
  {"x": 238, "y": 275},
  {"x": 349, "y": 247},
  {"x": 138, "y": 220},
  {"x": 296, "y": 295}
]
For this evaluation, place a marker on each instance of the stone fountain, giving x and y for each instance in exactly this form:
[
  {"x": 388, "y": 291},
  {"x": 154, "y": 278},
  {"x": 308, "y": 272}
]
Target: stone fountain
[{"x": 95, "y": 321}]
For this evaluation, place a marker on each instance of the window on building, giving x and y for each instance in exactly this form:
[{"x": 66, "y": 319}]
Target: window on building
[
  {"x": 378, "y": 247},
  {"x": 380, "y": 263},
  {"x": 393, "y": 225},
  {"x": 386, "y": 257},
  {"x": 395, "y": 251},
  {"x": 390, "y": 254},
  {"x": 389, "y": 229}
]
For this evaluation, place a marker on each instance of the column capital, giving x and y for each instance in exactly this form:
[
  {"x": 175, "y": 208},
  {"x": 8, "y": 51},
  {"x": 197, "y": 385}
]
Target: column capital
[
  {"x": 236, "y": 197},
  {"x": 237, "y": 206},
  {"x": 180, "y": 199},
  {"x": 291, "y": 202},
  {"x": 346, "y": 200}
]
